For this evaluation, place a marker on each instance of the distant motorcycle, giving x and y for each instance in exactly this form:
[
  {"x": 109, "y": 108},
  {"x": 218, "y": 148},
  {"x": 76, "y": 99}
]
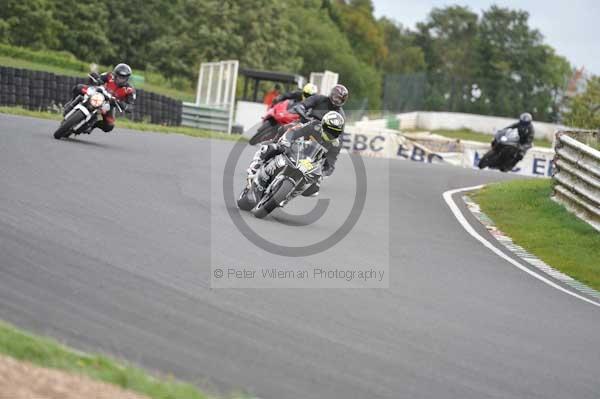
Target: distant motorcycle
[
  {"x": 82, "y": 117},
  {"x": 504, "y": 152},
  {"x": 298, "y": 167},
  {"x": 277, "y": 116}
]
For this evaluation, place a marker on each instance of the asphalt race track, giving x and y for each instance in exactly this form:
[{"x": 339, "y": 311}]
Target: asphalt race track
[{"x": 107, "y": 241}]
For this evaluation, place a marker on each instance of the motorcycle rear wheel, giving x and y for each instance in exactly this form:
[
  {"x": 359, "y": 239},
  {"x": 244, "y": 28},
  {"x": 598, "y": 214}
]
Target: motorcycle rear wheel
[{"x": 66, "y": 127}]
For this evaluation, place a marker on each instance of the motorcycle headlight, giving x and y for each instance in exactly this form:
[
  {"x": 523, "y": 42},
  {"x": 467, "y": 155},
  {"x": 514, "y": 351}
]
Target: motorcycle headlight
[{"x": 97, "y": 100}]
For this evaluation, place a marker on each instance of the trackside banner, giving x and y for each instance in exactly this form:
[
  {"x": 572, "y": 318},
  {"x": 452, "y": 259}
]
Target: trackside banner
[{"x": 392, "y": 145}]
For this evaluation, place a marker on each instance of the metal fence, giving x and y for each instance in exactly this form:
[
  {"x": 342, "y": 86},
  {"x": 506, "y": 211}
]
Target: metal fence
[
  {"x": 215, "y": 97},
  {"x": 205, "y": 117},
  {"x": 449, "y": 93},
  {"x": 577, "y": 174}
]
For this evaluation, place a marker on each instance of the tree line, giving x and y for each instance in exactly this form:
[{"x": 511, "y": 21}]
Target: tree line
[{"x": 493, "y": 63}]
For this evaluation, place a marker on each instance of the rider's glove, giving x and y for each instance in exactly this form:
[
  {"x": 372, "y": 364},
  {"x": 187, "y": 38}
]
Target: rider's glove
[
  {"x": 300, "y": 110},
  {"x": 95, "y": 78},
  {"x": 284, "y": 143}
]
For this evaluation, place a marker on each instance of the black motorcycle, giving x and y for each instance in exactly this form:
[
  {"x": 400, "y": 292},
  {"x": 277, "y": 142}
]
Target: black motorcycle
[
  {"x": 504, "y": 153},
  {"x": 297, "y": 169},
  {"x": 85, "y": 110}
]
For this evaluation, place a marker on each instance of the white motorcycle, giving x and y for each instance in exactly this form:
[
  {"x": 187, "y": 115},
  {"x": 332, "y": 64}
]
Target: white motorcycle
[{"x": 82, "y": 117}]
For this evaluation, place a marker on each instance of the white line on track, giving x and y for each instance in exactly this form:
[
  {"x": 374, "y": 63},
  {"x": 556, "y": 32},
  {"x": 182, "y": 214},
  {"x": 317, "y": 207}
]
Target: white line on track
[{"x": 465, "y": 224}]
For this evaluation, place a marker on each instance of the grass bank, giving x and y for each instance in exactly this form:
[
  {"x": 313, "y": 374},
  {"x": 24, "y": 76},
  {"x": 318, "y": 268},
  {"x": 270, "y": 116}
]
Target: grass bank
[
  {"x": 524, "y": 211},
  {"x": 127, "y": 124},
  {"x": 467, "y": 134},
  {"x": 48, "y": 353},
  {"x": 63, "y": 63}
]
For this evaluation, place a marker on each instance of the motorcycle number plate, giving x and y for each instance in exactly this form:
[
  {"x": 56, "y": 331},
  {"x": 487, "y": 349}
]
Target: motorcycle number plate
[{"x": 305, "y": 165}]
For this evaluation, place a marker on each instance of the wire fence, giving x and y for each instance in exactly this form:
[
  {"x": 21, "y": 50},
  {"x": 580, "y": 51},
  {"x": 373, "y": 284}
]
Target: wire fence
[{"x": 440, "y": 92}]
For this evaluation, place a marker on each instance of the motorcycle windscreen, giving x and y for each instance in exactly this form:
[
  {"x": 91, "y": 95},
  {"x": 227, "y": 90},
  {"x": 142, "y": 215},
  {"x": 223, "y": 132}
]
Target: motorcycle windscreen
[{"x": 305, "y": 149}]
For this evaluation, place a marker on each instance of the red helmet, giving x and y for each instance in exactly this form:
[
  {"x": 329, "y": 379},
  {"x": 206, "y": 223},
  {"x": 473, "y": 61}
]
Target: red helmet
[{"x": 338, "y": 95}]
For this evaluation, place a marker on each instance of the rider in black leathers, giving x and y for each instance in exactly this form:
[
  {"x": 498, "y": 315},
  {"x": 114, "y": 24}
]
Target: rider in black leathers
[
  {"x": 318, "y": 105},
  {"x": 325, "y": 131},
  {"x": 297, "y": 96},
  {"x": 526, "y": 132}
]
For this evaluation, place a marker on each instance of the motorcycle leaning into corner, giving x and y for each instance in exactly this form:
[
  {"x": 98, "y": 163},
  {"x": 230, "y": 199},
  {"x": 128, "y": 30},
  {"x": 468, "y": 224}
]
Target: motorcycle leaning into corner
[
  {"x": 96, "y": 101},
  {"x": 504, "y": 153},
  {"x": 278, "y": 115},
  {"x": 297, "y": 168}
]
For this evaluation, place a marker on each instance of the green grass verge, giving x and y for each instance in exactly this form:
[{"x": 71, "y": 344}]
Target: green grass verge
[
  {"x": 63, "y": 63},
  {"x": 125, "y": 123},
  {"x": 48, "y": 353},
  {"x": 524, "y": 211},
  {"x": 467, "y": 134}
]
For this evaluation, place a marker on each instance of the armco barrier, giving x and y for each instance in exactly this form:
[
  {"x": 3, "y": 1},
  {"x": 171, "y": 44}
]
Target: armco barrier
[
  {"x": 38, "y": 90},
  {"x": 203, "y": 117},
  {"x": 577, "y": 175}
]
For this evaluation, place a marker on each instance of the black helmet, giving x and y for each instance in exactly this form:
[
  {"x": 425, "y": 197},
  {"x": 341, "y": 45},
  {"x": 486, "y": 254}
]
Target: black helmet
[
  {"x": 121, "y": 74},
  {"x": 332, "y": 125},
  {"x": 338, "y": 95},
  {"x": 525, "y": 119}
]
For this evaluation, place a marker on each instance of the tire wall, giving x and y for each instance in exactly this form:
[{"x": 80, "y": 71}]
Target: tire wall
[{"x": 37, "y": 90}]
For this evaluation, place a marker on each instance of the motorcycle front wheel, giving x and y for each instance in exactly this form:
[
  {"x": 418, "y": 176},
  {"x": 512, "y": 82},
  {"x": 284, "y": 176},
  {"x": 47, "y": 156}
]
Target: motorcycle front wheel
[
  {"x": 243, "y": 201},
  {"x": 487, "y": 160},
  {"x": 66, "y": 127},
  {"x": 273, "y": 199}
]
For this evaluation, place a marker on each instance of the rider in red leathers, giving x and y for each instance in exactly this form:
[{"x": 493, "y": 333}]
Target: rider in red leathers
[{"x": 117, "y": 82}]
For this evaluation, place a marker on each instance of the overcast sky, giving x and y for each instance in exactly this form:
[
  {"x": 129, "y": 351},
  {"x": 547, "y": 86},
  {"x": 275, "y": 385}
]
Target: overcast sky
[{"x": 571, "y": 27}]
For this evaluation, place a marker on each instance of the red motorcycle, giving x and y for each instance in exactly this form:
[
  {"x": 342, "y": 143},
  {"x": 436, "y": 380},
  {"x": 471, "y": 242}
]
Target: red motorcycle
[{"x": 278, "y": 115}]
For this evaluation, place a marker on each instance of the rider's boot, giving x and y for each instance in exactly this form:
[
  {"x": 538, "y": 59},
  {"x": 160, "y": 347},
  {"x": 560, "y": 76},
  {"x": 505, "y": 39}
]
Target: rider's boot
[{"x": 262, "y": 155}]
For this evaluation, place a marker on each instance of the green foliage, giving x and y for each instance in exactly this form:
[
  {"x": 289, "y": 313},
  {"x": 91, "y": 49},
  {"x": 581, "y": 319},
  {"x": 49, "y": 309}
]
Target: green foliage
[
  {"x": 403, "y": 55},
  {"x": 585, "y": 108},
  {"x": 452, "y": 55},
  {"x": 447, "y": 38},
  {"x": 363, "y": 32},
  {"x": 329, "y": 49},
  {"x": 518, "y": 72},
  {"x": 495, "y": 64},
  {"x": 83, "y": 30},
  {"x": 62, "y": 59},
  {"x": 29, "y": 23},
  {"x": 257, "y": 33}
]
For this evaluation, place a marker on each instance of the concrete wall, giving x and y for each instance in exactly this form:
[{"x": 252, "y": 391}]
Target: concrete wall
[
  {"x": 248, "y": 114},
  {"x": 455, "y": 120}
]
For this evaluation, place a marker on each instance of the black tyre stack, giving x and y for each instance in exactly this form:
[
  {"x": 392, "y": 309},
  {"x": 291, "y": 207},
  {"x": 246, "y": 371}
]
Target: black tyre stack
[
  {"x": 157, "y": 109},
  {"x": 37, "y": 90}
]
